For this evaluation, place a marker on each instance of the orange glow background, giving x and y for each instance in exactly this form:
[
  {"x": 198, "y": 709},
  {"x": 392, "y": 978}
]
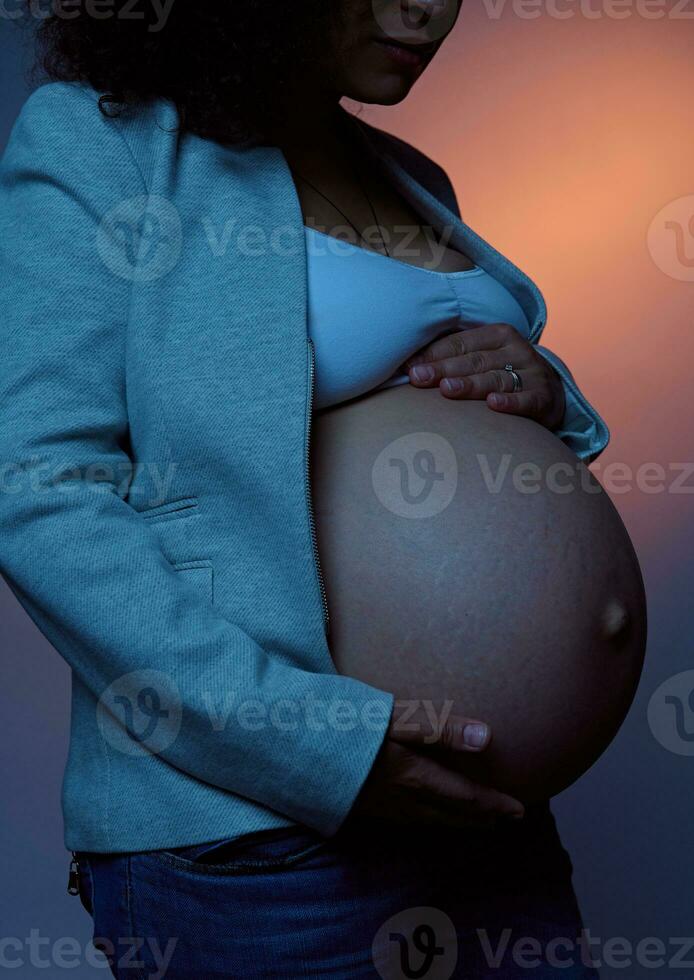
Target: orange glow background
[{"x": 564, "y": 138}]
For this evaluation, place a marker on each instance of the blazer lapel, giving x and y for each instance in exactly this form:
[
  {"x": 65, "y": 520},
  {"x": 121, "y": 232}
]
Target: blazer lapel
[
  {"x": 231, "y": 337},
  {"x": 384, "y": 153}
]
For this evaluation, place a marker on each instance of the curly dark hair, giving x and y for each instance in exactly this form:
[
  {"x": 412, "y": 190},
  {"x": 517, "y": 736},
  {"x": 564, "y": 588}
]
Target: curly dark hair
[{"x": 228, "y": 66}]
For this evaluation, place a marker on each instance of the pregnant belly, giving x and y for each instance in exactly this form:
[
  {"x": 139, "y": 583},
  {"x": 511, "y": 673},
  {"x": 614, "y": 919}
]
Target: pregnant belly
[{"x": 473, "y": 563}]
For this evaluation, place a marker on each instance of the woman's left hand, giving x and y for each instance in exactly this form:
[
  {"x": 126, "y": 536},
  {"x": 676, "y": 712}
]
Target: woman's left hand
[{"x": 470, "y": 364}]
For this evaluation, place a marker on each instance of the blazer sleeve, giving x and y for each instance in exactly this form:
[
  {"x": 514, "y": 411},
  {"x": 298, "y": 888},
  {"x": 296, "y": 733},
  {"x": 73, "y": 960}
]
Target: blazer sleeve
[
  {"x": 581, "y": 428},
  {"x": 83, "y": 563}
]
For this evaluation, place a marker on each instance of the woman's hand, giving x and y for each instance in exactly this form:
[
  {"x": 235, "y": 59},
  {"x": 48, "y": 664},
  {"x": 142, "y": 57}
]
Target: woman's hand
[
  {"x": 417, "y": 776},
  {"x": 470, "y": 364}
]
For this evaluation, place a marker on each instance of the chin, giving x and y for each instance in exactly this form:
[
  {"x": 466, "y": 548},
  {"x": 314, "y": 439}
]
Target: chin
[{"x": 384, "y": 91}]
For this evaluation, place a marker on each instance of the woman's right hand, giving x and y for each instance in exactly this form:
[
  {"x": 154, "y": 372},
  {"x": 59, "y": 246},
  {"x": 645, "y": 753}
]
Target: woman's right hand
[{"x": 417, "y": 776}]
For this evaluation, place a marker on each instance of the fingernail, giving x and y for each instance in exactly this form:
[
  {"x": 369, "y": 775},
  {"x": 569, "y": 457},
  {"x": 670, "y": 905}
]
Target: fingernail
[
  {"x": 475, "y": 735},
  {"x": 497, "y": 400},
  {"x": 422, "y": 372},
  {"x": 452, "y": 384}
]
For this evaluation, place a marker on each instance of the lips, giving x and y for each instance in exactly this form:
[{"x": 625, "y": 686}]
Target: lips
[{"x": 411, "y": 55}]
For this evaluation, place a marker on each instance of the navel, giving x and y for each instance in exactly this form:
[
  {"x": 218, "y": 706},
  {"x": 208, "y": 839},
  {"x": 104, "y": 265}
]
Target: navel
[{"x": 615, "y": 620}]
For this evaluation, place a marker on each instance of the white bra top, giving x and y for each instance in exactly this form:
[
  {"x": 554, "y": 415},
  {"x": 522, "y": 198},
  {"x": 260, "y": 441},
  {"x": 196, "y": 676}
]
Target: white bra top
[{"x": 367, "y": 313}]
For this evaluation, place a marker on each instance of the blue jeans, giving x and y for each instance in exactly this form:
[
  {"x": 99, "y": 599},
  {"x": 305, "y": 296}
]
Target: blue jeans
[{"x": 369, "y": 902}]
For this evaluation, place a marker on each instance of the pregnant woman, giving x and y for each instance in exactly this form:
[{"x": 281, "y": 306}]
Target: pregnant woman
[{"x": 285, "y": 482}]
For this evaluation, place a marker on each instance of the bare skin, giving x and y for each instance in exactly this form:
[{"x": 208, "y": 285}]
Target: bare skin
[
  {"x": 414, "y": 781},
  {"x": 413, "y": 778},
  {"x": 334, "y": 185},
  {"x": 525, "y": 609}
]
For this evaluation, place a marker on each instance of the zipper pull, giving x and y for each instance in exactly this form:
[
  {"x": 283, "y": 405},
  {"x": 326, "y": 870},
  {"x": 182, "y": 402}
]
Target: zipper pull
[{"x": 73, "y": 881}]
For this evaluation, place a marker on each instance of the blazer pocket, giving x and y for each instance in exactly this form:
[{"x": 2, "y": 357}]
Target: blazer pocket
[
  {"x": 171, "y": 511},
  {"x": 200, "y": 574}
]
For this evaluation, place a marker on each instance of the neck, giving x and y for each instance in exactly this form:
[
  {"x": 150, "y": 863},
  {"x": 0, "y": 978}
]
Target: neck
[{"x": 308, "y": 120}]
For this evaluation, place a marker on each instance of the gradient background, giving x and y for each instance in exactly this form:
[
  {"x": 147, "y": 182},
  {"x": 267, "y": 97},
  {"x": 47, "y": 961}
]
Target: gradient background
[{"x": 564, "y": 138}]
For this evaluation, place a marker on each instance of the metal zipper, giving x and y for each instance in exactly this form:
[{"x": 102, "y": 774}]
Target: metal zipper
[
  {"x": 309, "y": 498},
  {"x": 73, "y": 883}
]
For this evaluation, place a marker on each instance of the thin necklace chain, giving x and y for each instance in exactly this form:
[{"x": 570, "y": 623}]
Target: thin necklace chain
[{"x": 348, "y": 219}]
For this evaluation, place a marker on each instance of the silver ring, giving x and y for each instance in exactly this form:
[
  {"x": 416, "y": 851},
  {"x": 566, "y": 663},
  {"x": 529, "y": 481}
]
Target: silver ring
[{"x": 517, "y": 383}]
